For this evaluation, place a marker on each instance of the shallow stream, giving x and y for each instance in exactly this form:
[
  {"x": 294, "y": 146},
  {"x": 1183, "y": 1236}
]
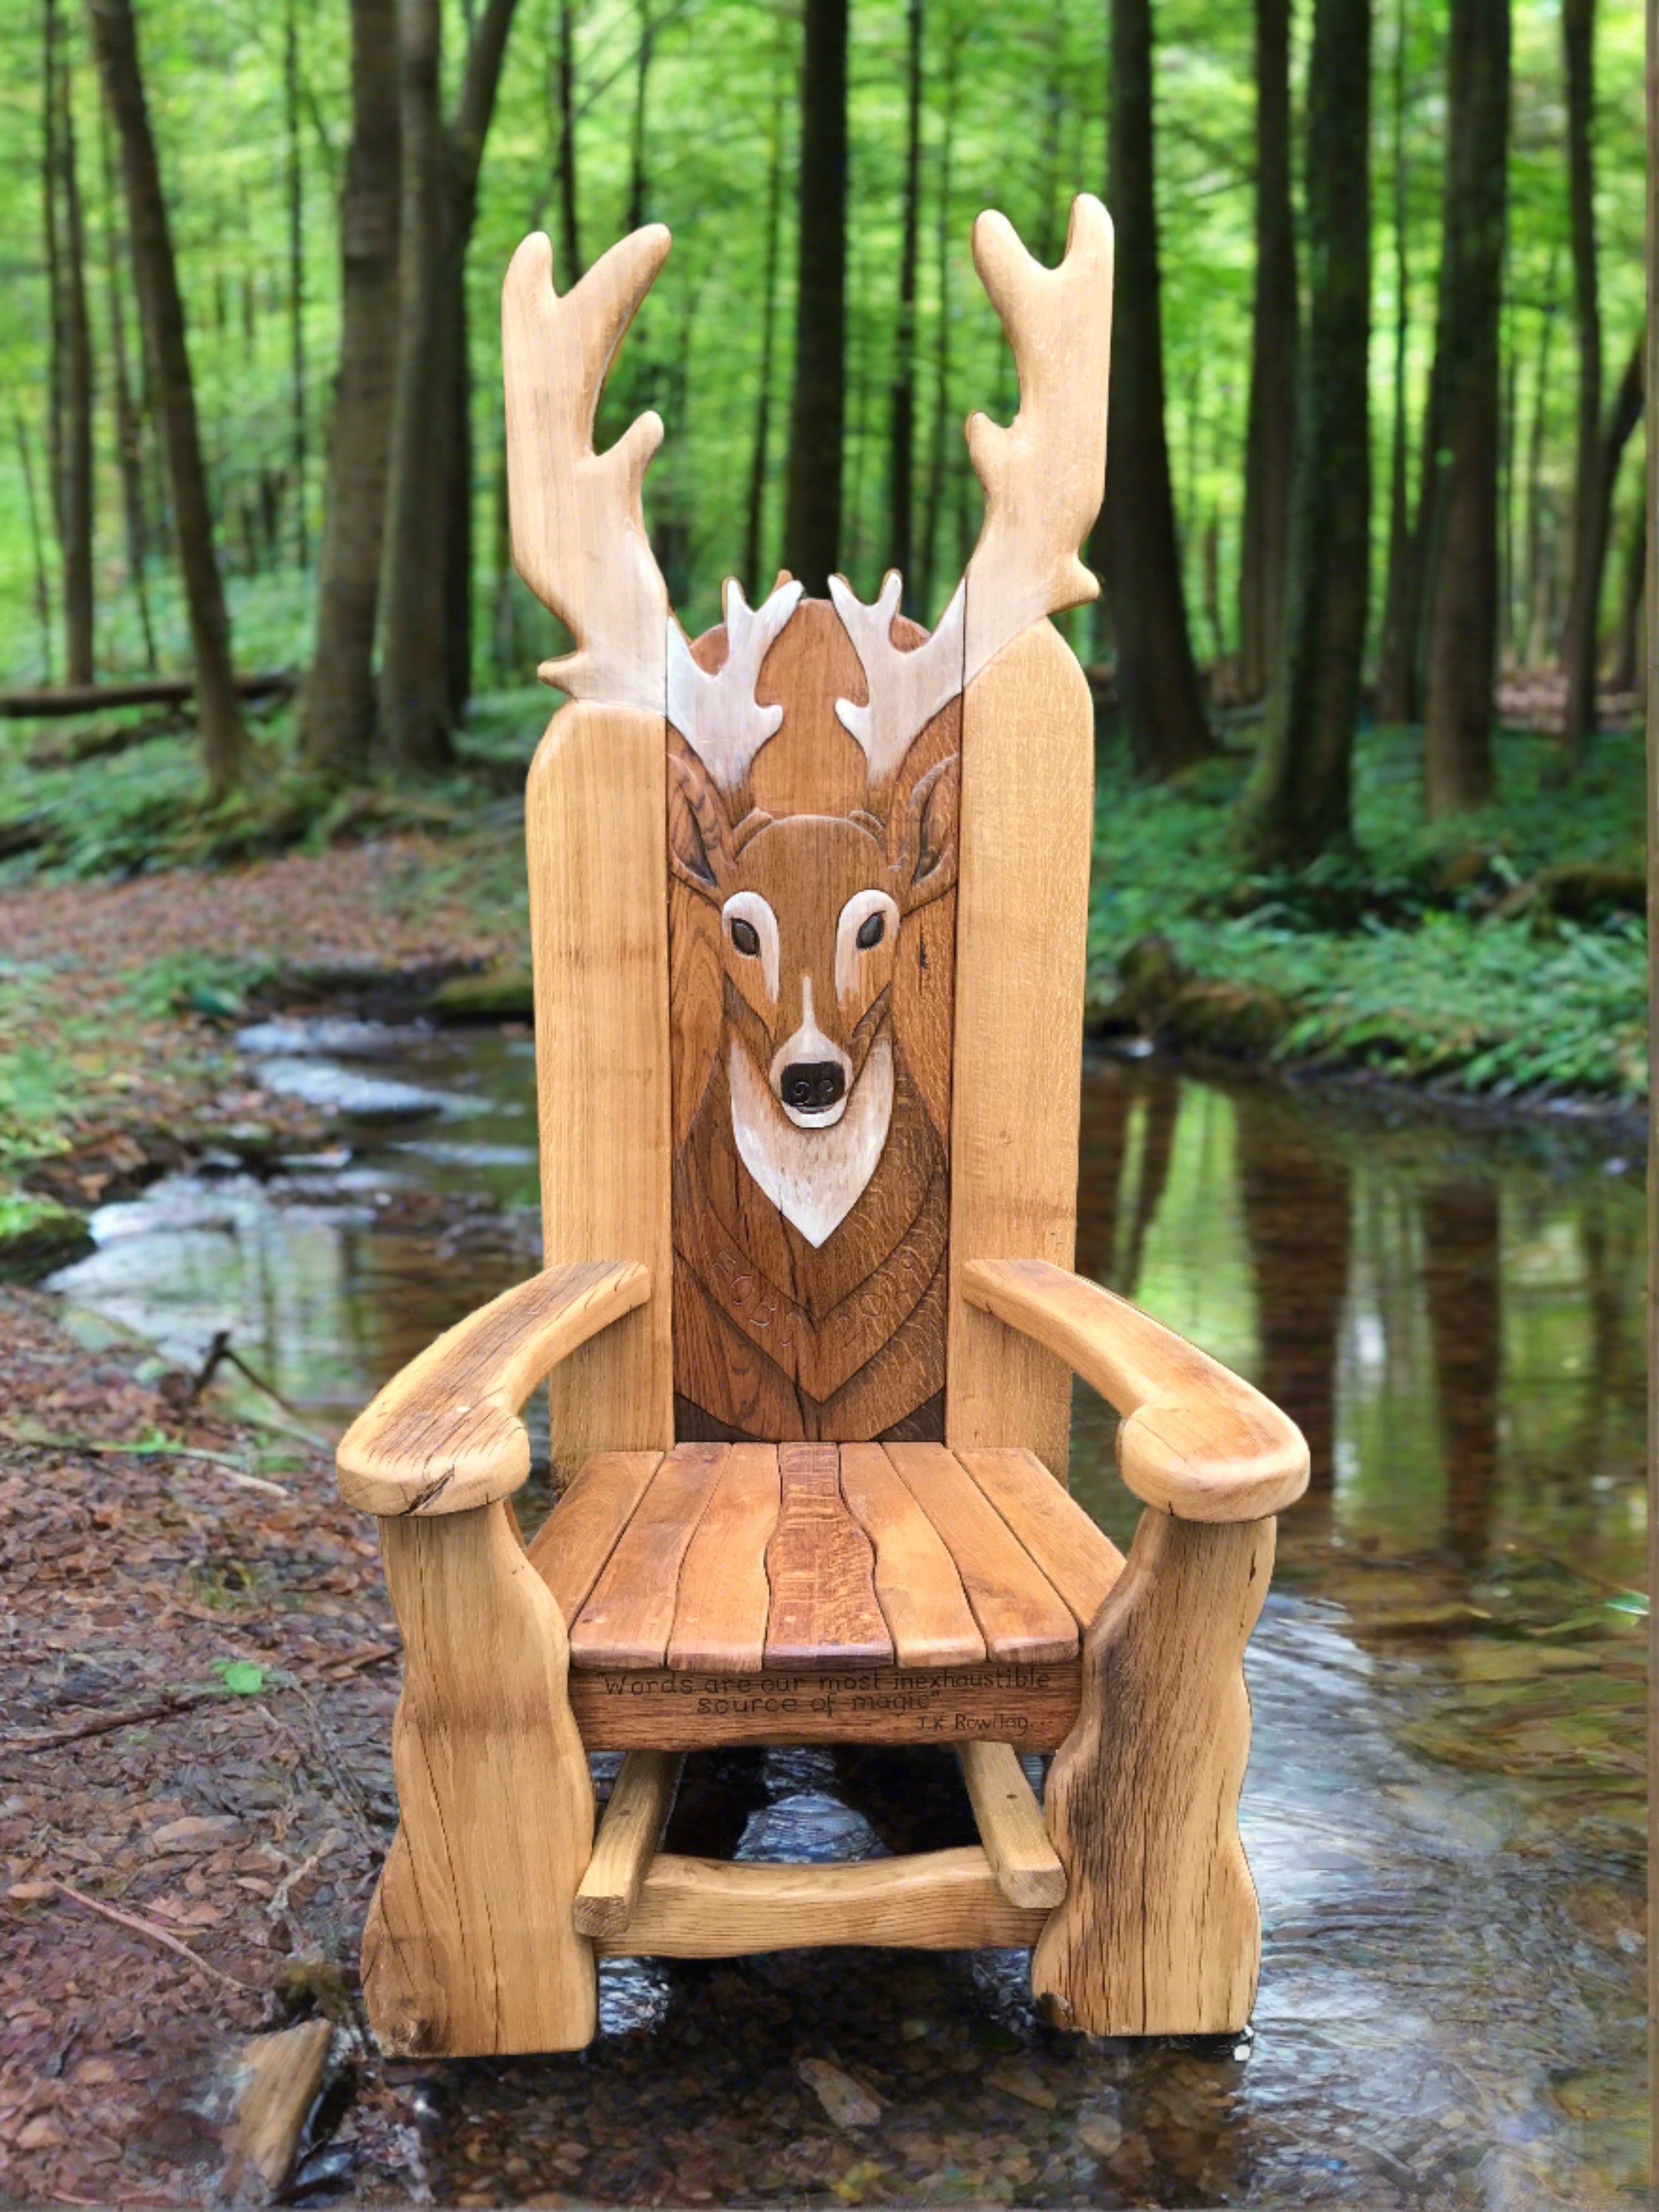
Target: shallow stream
[{"x": 1446, "y": 1798}]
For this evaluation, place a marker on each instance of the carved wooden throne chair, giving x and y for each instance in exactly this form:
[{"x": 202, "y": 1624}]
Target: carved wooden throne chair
[{"x": 808, "y": 900}]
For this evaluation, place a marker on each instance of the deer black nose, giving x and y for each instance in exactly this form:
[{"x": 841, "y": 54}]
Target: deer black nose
[{"x": 812, "y": 1086}]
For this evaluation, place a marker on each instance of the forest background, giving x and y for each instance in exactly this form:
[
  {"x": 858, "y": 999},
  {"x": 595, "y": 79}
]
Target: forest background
[{"x": 1369, "y": 656}]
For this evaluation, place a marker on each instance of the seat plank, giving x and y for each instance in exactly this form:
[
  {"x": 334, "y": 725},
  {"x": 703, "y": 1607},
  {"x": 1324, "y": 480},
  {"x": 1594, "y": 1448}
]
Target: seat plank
[
  {"x": 917, "y": 1585},
  {"x": 1079, "y": 1559},
  {"x": 1020, "y": 1614},
  {"x": 580, "y": 1533},
  {"x": 822, "y": 1570},
  {"x": 719, "y": 1621},
  {"x": 626, "y": 1621}
]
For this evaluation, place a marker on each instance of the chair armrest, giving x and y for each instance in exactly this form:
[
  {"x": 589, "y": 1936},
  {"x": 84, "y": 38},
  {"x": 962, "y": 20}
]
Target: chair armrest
[
  {"x": 444, "y": 1434},
  {"x": 1197, "y": 1441}
]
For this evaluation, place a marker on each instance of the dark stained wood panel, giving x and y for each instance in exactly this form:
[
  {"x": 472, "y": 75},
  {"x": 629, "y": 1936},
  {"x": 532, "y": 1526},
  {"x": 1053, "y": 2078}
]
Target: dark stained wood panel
[
  {"x": 719, "y": 1621},
  {"x": 626, "y": 1620},
  {"x": 821, "y": 1571},
  {"x": 1020, "y": 1614}
]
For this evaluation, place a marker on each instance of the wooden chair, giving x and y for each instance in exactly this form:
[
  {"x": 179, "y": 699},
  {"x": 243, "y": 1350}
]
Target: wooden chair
[{"x": 808, "y": 901}]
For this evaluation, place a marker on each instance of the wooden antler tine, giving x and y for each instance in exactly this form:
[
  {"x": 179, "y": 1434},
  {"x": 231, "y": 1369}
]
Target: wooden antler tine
[
  {"x": 578, "y": 526},
  {"x": 717, "y": 715},
  {"x": 1043, "y": 476}
]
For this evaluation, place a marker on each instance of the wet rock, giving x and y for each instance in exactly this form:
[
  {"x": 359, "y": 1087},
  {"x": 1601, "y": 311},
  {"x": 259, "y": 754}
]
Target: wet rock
[
  {"x": 277, "y": 2079},
  {"x": 499, "y": 994},
  {"x": 38, "y": 1235},
  {"x": 1018, "y": 2078},
  {"x": 206, "y": 1833},
  {"x": 847, "y": 2102}
]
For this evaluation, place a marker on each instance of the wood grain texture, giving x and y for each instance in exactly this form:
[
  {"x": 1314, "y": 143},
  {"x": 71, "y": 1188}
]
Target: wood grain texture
[
  {"x": 810, "y": 1255},
  {"x": 667, "y": 1709},
  {"x": 445, "y": 1435},
  {"x": 1028, "y": 1873},
  {"x": 1159, "y": 1932},
  {"x": 1079, "y": 1559},
  {"x": 1196, "y": 1440},
  {"x": 720, "y": 1620},
  {"x": 627, "y": 1618},
  {"x": 470, "y": 1948},
  {"x": 598, "y": 932},
  {"x": 1022, "y": 917},
  {"x": 933, "y": 1901},
  {"x": 821, "y": 1568},
  {"x": 917, "y": 1585},
  {"x": 1020, "y": 1614},
  {"x": 630, "y": 1829},
  {"x": 571, "y": 1547}
]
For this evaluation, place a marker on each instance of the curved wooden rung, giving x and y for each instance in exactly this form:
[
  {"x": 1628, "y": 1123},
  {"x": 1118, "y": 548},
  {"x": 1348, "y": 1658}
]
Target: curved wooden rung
[
  {"x": 712, "y": 1909},
  {"x": 630, "y": 1829},
  {"x": 1025, "y": 1864}
]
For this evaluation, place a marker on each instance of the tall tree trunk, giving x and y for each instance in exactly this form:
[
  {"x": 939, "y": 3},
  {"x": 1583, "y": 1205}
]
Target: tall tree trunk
[
  {"x": 219, "y": 717},
  {"x": 1582, "y": 643},
  {"x": 637, "y": 186},
  {"x": 129, "y": 444},
  {"x": 939, "y": 428},
  {"x": 1589, "y": 505},
  {"x": 1298, "y": 801},
  {"x": 1134, "y": 542},
  {"x": 902, "y": 399},
  {"x": 37, "y": 546},
  {"x": 427, "y": 583},
  {"x": 1463, "y": 573},
  {"x": 1396, "y": 651},
  {"x": 1270, "y": 435},
  {"x": 338, "y": 712},
  {"x": 77, "y": 506},
  {"x": 1626, "y": 672},
  {"x": 296, "y": 278},
  {"x": 1537, "y": 594},
  {"x": 570, "y": 237},
  {"x": 812, "y": 528},
  {"x": 755, "y": 517}
]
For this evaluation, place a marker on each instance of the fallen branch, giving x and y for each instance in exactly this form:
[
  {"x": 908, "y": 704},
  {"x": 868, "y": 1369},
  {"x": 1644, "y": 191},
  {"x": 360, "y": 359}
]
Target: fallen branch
[
  {"x": 154, "y": 1935},
  {"x": 110, "y": 1721},
  {"x": 31, "y": 1433},
  {"x": 142, "y": 692}
]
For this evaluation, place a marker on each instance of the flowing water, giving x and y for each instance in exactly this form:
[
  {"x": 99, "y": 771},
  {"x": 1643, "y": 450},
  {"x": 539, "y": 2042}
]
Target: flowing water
[{"x": 1445, "y": 1802}]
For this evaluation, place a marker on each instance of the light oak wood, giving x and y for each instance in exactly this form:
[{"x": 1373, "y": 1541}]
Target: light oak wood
[
  {"x": 932, "y": 1901},
  {"x": 1020, "y": 1614},
  {"x": 666, "y": 1709},
  {"x": 598, "y": 936},
  {"x": 1022, "y": 920},
  {"x": 445, "y": 1435},
  {"x": 630, "y": 1829},
  {"x": 821, "y": 1568},
  {"x": 1159, "y": 1932},
  {"x": 1196, "y": 1441},
  {"x": 917, "y": 1585},
  {"x": 1079, "y": 1558},
  {"x": 627, "y": 1618},
  {"x": 573, "y": 1543},
  {"x": 719, "y": 1621},
  {"x": 1027, "y": 1871},
  {"x": 470, "y": 1948}
]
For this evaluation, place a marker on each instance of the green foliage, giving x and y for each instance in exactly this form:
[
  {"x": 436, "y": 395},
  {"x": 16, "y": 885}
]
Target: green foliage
[{"x": 1415, "y": 957}]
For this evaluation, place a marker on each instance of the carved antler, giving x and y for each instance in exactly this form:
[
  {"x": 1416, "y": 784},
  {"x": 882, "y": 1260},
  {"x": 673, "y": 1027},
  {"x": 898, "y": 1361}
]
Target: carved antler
[
  {"x": 1042, "y": 477},
  {"x": 717, "y": 715},
  {"x": 578, "y": 527}
]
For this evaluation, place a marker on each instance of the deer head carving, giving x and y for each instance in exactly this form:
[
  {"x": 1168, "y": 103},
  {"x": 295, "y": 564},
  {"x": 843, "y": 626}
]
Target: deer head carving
[{"x": 810, "y": 907}]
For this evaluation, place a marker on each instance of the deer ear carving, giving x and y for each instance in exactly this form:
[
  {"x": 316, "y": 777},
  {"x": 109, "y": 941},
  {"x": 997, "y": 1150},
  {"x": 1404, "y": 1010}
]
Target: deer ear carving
[
  {"x": 927, "y": 863},
  {"x": 700, "y": 842}
]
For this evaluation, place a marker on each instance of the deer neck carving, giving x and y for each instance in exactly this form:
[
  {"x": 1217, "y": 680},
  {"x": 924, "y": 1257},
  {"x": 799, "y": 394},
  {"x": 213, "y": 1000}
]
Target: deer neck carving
[{"x": 811, "y": 912}]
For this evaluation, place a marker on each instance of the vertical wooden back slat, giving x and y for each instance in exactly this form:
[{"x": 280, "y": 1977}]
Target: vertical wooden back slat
[
  {"x": 598, "y": 926},
  {"x": 1021, "y": 927}
]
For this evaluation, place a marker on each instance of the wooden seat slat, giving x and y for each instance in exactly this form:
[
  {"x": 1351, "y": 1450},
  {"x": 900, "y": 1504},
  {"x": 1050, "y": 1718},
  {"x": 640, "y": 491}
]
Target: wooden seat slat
[
  {"x": 821, "y": 1566},
  {"x": 917, "y": 1585},
  {"x": 1079, "y": 1559},
  {"x": 1020, "y": 1614},
  {"x": 573, "y": 1544},
  {"x": 626, "y": 1620},
  {"x": 719, "y": 1621}
]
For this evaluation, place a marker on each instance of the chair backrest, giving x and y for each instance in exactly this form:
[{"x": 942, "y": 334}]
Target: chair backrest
[{"x": 808, "y": 909}]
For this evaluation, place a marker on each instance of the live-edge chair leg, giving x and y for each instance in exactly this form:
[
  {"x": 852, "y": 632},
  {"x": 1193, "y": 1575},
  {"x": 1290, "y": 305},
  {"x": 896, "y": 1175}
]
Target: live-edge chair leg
[
  {"x": 470, "y": 1947},
  {"x": 1159, "y": 1932}
]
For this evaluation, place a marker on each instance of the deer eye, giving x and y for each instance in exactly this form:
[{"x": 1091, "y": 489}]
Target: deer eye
[
  {"x": 872, "y": 933},
  {"x": 746, "y": 937}
]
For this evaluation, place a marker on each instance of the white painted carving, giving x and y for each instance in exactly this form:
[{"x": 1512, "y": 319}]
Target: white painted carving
[
  {"x": 814, "y": 1177},
  {"x": 717, "y": 715}
]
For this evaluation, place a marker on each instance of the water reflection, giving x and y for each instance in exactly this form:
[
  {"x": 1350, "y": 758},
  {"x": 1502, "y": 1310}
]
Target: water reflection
[{"x": 1445, "y": 1799}]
